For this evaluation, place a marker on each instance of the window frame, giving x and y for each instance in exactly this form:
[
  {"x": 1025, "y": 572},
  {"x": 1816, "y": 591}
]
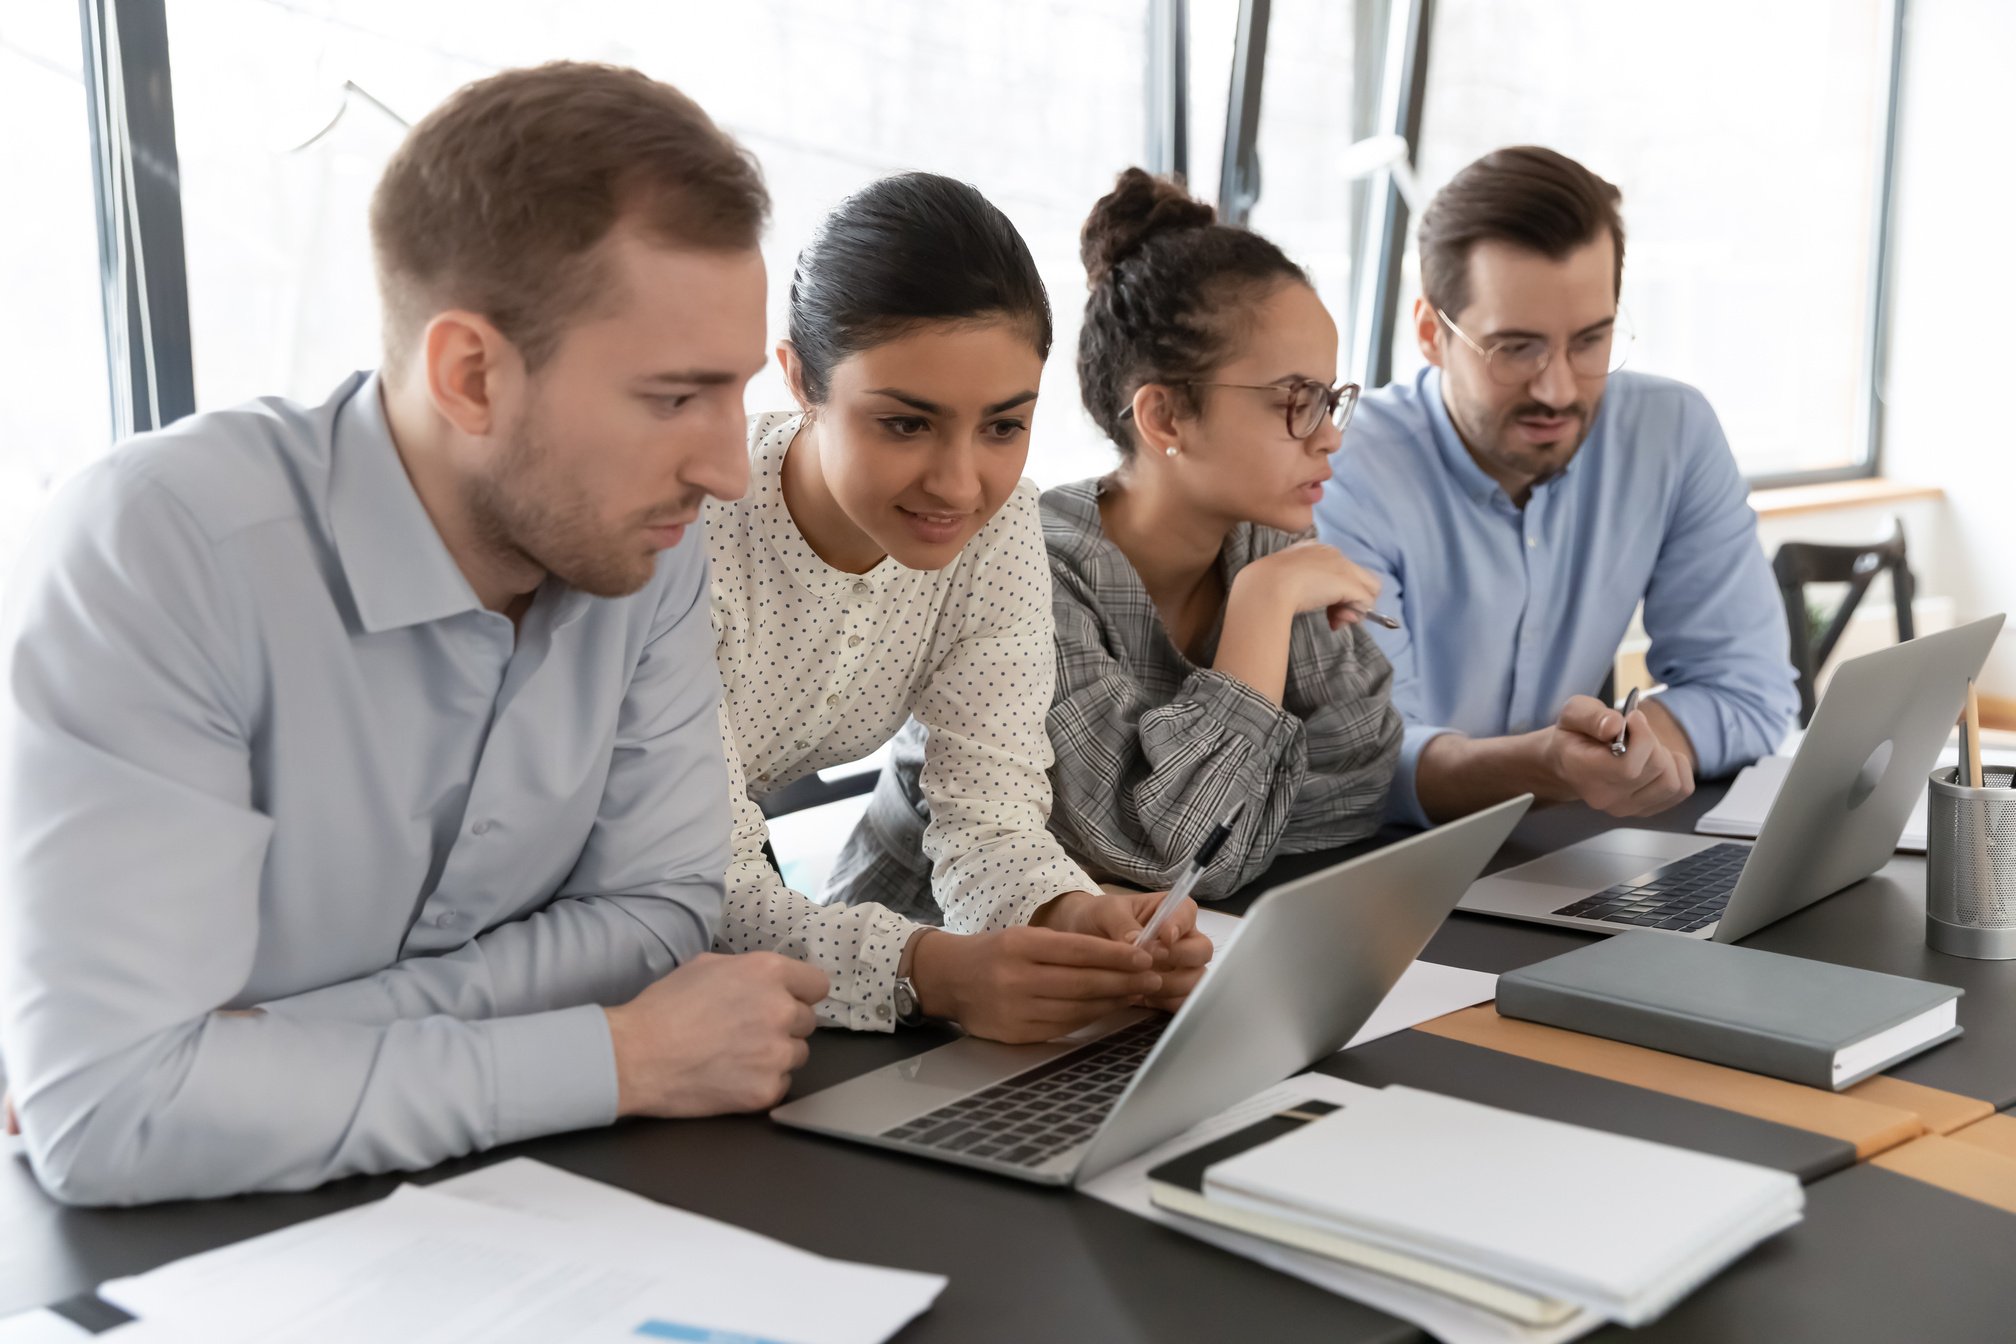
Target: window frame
[
  {"x": 1381, "y": 245},
  {"x": 145, "y": 274}
]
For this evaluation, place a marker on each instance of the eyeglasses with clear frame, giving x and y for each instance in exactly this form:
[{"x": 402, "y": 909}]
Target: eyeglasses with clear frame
[
  {"x": 1309, "y": 402},
  {"x": 1520, "y": 359}
]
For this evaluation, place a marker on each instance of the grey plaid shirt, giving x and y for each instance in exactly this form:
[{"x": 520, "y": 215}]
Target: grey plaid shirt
[{"x": 1152, "y": 749}]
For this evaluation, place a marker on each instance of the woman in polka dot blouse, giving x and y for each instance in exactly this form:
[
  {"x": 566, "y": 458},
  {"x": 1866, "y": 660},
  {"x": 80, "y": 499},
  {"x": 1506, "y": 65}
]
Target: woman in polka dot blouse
[{"x": 887, "y": 562}]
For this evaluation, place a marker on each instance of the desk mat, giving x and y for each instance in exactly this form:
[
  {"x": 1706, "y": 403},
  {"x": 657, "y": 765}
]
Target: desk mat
[
  {"x": 1997, "y": 1134},
  {"x": 1870, "y": 1119},
  {"x": 1965, "y": 1169}
]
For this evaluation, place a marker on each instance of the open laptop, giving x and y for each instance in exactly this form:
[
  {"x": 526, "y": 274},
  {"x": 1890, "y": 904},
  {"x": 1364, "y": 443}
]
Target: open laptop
[
  {"x": 1858, "y": 773},
  {"x": 1313, "y": 959}
]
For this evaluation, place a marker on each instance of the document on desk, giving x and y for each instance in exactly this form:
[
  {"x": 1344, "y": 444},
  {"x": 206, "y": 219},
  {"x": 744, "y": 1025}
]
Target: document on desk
[
  {"x": 41, "y": 1327},
  {"x": 1425, "y": 990},
  {"x": 1447, "y": 1319},
  {"x": 519, "y": 1253}
]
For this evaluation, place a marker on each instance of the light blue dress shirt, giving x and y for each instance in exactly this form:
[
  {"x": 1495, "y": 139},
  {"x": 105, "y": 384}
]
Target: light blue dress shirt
[
  {"x": 1506, "y": 613},
  {"x": 269, "y": 751}
]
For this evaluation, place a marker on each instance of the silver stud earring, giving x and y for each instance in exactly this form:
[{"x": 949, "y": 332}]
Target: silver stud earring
[{"x": 1170, "y": 451}]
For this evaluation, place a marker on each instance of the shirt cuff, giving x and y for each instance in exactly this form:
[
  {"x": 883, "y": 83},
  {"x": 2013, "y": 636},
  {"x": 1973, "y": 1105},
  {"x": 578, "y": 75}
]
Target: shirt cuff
[
  {"x": 1403, "y": 802},
  {"x": 551, "y": 1072},
  {"x": 1698, "y": 711},
  {"x": 866, "y": 999},
  {"x": 1242, "y": 710}
]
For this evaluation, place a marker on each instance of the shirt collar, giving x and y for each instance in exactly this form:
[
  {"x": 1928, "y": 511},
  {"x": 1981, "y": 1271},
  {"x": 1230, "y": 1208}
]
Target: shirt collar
[
  {"x": 771, "y": 437},
  {"x": 1456, "y": 458},
  {"x": 399, "y": 571}
]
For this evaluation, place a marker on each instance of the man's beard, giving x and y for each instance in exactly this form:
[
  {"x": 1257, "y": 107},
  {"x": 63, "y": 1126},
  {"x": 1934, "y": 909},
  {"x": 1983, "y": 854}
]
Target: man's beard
[
  {"x": 525, "y": 508},
  {"x": 1539, "y": 464}
]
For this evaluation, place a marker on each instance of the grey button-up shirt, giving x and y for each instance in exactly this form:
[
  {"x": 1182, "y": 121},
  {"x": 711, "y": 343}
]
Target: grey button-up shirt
[{"x": 269, "y": 751}]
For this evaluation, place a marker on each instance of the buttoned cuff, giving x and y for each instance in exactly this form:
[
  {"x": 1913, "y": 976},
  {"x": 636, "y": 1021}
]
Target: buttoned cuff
[
  {"x": 1403, "y": 802},
  {"x": 1243, "y": 711},
  {"x": 864, "y": 997},
  {"x": 551, "y": 1072}
]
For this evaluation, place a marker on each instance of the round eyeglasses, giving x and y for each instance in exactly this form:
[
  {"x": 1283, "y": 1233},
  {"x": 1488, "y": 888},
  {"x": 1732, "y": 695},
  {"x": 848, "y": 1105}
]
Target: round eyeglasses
[
  {"x": 1518, "y": 360},
  {"x": 1309, "y": 403}
]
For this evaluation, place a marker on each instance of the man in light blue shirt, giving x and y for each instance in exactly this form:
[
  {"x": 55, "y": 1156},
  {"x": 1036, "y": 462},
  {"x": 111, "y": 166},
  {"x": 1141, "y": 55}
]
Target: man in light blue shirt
[
  {"x": 364, "y": 789},
  {"x": 1521, "y": 497}
]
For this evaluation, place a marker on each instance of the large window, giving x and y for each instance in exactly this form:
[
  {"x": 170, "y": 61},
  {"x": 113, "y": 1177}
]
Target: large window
[
  {"x": 53, "y": 402},
  {"x": 285, "y": 114},
  {"x": 1748, "y": 141}
]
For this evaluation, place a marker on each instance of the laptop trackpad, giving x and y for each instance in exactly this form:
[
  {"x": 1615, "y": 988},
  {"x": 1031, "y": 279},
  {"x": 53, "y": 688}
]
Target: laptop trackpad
[{"x": 1587, "y": 869}]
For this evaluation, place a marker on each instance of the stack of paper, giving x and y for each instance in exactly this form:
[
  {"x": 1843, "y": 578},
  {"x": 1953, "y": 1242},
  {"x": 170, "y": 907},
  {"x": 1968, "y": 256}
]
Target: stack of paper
[
  {"x": 1622, "y": 1227},
  {"x": 517, "y": 1253}
]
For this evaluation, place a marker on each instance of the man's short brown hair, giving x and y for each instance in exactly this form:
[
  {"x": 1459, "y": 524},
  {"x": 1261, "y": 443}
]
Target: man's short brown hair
[
  {"x": 499, "y": 196},
  {"x": 1527, "y": 196}
]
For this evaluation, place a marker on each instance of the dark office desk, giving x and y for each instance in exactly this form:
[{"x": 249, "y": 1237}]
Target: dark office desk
[
  {"x": 1878, "y": 924},
  {"x": 1879, "y": 1257}
]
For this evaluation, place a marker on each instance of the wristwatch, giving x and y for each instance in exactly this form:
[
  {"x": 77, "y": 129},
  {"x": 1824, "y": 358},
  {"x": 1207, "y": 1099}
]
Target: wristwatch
[{"x": 908, "y": 1014}]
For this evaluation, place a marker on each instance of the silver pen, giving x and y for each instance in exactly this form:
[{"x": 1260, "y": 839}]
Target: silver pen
[
  {"x": 1192, "y": 875},
  {"x": 1382, "y": 618},
  {"x": 1619, "y": 747}
]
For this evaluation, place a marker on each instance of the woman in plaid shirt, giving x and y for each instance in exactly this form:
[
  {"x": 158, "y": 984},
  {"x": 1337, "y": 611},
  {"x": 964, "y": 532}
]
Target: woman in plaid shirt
[{"x": 1207, "y": 651}]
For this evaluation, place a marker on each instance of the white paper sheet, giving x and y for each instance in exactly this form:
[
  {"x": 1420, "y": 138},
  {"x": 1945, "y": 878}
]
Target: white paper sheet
[
  {"x": 517, "y": 1254},
  {"x": 41, "y": 1327},
  {"x": 1452, "y": 1322},
  {"x": 1425, "y": 990}
]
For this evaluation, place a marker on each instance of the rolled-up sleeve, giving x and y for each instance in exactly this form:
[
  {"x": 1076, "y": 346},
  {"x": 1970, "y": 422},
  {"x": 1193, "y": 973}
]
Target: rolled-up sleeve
[
  {"x": 1712, "y": 610},
  {"x": 134, "y": 848}
]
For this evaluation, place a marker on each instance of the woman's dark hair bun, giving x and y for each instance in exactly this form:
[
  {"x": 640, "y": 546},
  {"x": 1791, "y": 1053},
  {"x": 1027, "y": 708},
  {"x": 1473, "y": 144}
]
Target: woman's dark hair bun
[{"x": 1139, "y": 207}]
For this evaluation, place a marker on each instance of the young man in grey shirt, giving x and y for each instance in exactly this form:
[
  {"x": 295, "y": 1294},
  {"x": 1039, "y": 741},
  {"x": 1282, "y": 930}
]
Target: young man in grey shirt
[{"x": 362, "y": 752}]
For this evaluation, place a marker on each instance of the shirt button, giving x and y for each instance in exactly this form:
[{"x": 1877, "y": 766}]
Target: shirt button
[
  {"x": 799, "y": 746},
  {"x": 1531, "y": 543},
  {"x": 853, "y": 641},
  {"x": 762, "y": 779},
  {"x": 882, "y": 1011},
  {"x": 446, "y": 921},
  {"x": 481, "y": 828},
  {"x": 861, "y": 588},
  {"x": 832, "y": 700}
]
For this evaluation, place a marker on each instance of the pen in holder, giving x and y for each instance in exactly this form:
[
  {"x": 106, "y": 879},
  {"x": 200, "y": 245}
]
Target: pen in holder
[{"x": 1970, "y": 865}]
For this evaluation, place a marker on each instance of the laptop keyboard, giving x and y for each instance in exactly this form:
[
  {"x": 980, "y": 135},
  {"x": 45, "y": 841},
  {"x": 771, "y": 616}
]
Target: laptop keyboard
[
  {"x": 1030, "y": 1118},
  {"x": 1685, "y": 895}
]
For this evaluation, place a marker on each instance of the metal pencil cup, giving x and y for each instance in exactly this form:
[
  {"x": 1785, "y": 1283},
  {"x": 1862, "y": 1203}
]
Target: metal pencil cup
[{"x": 1970, "y": 877}]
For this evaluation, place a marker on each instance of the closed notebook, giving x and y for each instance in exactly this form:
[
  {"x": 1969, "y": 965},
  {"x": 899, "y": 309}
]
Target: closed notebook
[
  {"x": 1178, "y": 1185},
  {"x": 1618, "y": 1225},
  {"x": 1807, "y": 1022}
]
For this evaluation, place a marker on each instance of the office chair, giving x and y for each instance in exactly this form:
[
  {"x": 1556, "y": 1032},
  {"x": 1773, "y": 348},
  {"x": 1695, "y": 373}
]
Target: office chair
[{"x": 1799, "y": 563}]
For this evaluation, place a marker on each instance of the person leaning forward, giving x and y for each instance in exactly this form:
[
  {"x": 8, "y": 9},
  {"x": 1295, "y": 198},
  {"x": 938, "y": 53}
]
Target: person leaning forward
[{"x": 365, "y": 804}]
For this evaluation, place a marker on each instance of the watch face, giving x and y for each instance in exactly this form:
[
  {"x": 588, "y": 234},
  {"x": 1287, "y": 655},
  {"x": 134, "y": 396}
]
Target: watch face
[{"x": 906, "y": 1000}]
